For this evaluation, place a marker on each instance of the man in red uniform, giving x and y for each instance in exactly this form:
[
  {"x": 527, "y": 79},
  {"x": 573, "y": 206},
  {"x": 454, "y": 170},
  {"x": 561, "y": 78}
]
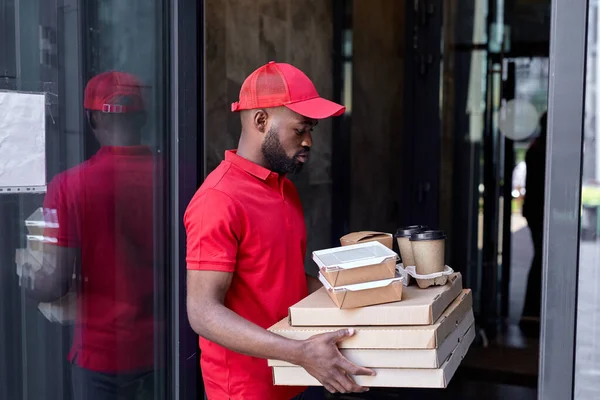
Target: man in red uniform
[
  {"x": 246, "y": 242},
  {"x": 104, "y": 211}
]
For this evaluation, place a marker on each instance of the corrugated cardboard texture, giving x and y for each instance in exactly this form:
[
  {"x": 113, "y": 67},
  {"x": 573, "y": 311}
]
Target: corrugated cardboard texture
[
  {"x": 388, "y": 377},
  {"x": 396, "y": 337},
  {"x": 24, "y": 256},
  {"x": 346, "y": 299},
  {"x": 418, "y": 307},
  {"x": 404, "y": 358},
  {"x": 37, "y": 225},
  {"x": 386, "y": 239},
  {"x": 370, "y": 273}
]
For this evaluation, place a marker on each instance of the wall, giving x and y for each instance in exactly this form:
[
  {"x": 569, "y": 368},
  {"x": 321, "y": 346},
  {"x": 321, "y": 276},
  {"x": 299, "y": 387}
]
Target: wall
[
  {"x": 241, "y": 35},
  {"x": 462, "y": 133},
  {"x": 377, "y": 116}
]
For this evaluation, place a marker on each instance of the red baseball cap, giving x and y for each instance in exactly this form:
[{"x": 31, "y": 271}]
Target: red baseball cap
[
  {"x": 114, "y": 92},
  {"x": 280, "y": 84}
]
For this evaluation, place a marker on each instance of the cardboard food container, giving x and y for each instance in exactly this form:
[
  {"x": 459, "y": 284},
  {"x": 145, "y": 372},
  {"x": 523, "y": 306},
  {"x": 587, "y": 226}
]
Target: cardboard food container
[
  {"x": 364, "y": 294},
  {"x": 386, "y": 239},
  {"x": 390, "y": 354},
  {"x": 390, "y": 337},
  {"x": 39, "y": 225},
  {"x": 389, "y": 377},
  {"x": 418, "y": 307},
  {"x": 36, "y": 243},
  {"x": 24, "y": 256},
  {"x": 358, "y": 263}
]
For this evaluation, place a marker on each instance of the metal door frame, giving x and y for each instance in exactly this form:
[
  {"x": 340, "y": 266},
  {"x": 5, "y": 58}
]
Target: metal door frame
[
  {"x": 568, "y": 42},
  {"x": 186, "y": 49}
]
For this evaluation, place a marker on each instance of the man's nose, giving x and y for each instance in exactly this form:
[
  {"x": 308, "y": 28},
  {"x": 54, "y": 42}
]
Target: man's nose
[{"x": 307, "y": 140}]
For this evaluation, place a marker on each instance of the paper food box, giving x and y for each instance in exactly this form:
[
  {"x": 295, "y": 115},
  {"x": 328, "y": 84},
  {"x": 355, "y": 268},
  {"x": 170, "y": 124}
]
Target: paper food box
[
  {"x": 418, "y": 307},
  {"x": 38, "y": 224},
  {"x": 396, "y": 347},
  {"x": 390, "y": 377},
  {"x": 390, "y": 337},
  {"x": 364, "y": 294},
  {"x": 386, "y": 239},
  {"x": 41, "y": 228},
  {"x": 25, "y": 256},
  {"x": 359, "y": 263}
]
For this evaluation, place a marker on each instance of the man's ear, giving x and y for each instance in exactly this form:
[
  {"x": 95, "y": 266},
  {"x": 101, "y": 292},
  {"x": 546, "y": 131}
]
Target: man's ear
[
  {"x": 260, "y": 120},
  {"x": 92, "y": 118}
]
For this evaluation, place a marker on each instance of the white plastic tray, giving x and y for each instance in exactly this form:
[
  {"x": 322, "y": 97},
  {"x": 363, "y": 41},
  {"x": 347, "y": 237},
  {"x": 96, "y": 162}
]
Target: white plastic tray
[{"x": 354, "y": 256}]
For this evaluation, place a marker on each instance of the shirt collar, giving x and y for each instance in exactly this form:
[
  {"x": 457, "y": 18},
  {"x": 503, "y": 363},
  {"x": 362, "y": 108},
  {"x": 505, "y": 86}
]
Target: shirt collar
[
  {"x": 124, "y": 150},
  {"x": 247, "y": 165}
]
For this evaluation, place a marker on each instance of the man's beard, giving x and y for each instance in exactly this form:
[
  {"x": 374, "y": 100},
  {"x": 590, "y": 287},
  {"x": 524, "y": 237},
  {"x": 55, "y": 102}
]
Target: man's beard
[{"x": 276, "y": 157}]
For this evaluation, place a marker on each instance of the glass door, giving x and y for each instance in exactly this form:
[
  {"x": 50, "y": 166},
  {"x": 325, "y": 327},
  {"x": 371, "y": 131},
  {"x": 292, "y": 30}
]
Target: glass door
[{"x": 84, "y": 276}]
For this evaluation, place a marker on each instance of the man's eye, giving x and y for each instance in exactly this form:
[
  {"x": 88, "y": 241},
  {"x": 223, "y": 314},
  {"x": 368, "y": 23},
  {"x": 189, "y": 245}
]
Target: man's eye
[{"x": 299, "y": 131}]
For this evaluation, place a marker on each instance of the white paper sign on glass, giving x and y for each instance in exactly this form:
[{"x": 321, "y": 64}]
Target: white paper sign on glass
[{"x": 22, "y": 140}]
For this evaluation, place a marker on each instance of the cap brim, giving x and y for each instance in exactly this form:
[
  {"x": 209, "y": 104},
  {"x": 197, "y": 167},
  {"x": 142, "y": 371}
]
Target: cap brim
[{"x": 317, "y": 108}]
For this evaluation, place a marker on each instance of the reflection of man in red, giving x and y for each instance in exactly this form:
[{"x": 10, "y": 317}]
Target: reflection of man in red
[
  {"x": 533, "y": 211},
  {"x": 105, "y": 214}
]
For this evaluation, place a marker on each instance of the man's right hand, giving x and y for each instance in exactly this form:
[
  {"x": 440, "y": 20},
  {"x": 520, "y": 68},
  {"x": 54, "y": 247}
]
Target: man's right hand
[{"x": 322, "y": 359}]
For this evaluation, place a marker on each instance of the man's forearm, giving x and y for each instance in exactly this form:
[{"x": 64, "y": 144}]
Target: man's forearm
[
  {"x": 53, "y": 279},
  {"x": 46, "y": 285},
  {"x": 45, "y": 289},
  {"x": 220, "y": 325}
]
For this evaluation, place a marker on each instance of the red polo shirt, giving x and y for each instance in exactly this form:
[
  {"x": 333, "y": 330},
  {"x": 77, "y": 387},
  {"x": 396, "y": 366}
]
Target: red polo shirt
[
  {"x": 247, "y": 220},
  {"x": 105, "y": 208}
]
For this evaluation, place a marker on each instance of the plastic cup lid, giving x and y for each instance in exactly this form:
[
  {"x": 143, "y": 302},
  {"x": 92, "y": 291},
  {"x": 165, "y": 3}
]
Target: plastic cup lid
[
  {"x": 428, "y": 235},
  {"x": 407, "y": 231}
]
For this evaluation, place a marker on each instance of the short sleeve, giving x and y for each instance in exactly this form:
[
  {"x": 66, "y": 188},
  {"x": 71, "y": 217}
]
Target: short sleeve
[
  {"x": 60, "y": 213},
  {"x": 213, "y": 226}
]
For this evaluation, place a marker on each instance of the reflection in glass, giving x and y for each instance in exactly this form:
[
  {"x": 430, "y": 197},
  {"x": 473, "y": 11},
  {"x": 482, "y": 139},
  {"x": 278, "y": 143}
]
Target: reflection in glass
[
  {"x": 96, "y": 248},
  {"x": 587, "y": 363},
  {"x": 81, "y": 287}
]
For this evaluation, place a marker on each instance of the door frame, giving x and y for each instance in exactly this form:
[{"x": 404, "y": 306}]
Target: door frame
[
  {"x": 421, "y": 113},
  {"x": 186, "y": 168},
  {"x": 568, "y": 39}
]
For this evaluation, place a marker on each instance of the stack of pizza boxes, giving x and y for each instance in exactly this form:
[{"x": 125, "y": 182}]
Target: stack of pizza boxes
[{"x": 410, "y": 336}]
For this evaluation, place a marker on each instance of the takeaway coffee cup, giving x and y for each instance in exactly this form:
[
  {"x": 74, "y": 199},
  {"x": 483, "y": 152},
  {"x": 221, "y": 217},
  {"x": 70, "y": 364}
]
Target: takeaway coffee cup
[
  {"x": 403, "y": 238},
  {"x": 428, "y": 252}
]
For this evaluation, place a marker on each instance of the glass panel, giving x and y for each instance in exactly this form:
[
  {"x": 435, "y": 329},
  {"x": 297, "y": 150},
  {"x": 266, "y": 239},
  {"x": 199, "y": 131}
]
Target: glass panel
[
  {"x": 587, "y": 365},
  {"x": 82, "y": 130},
  {"x": 529, "y": 78}
]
